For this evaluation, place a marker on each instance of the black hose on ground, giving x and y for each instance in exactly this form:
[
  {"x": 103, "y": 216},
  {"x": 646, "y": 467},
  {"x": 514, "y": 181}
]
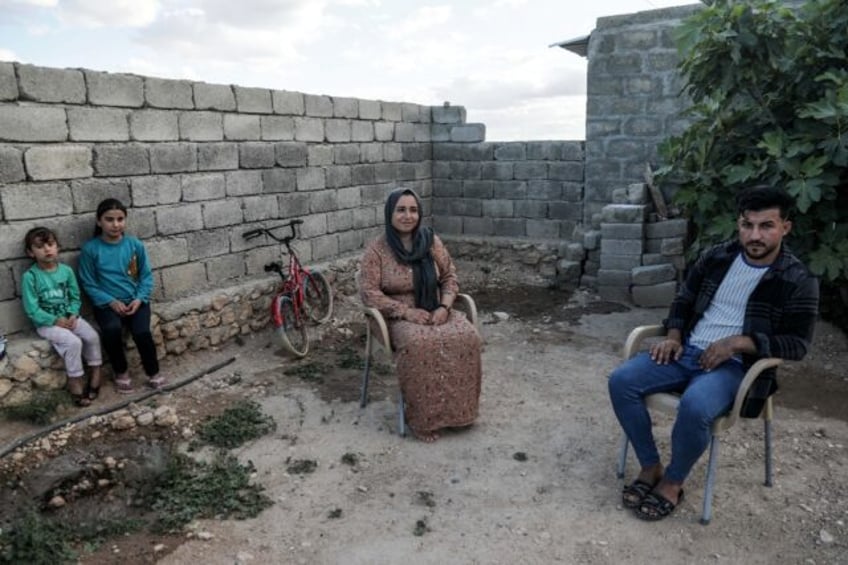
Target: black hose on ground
[{"x": 111, "y": 408}]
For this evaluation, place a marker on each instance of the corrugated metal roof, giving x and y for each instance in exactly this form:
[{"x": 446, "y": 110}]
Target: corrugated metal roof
[{"x": 578, "y": 45}]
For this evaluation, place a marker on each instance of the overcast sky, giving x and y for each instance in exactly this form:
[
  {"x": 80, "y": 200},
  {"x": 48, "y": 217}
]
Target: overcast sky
[{"x": 491, "y": 56}]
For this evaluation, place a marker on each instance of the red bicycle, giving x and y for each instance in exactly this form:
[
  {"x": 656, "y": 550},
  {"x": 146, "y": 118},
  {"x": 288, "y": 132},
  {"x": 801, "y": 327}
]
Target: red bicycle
[{"x": 303, "y": 293}]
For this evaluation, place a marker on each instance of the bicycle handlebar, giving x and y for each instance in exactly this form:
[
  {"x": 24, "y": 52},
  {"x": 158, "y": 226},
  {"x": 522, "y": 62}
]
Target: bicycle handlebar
[{"x": 254, "y": 233}]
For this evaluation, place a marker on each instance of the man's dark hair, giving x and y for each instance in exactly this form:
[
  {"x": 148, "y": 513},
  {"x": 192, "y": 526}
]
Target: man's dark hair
[{"x": 763, "y": 197}]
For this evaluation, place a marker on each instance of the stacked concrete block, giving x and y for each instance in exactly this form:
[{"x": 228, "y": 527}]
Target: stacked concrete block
[
  {"x": 655, "y": 282},
  {"x": 622, "y": 245}
]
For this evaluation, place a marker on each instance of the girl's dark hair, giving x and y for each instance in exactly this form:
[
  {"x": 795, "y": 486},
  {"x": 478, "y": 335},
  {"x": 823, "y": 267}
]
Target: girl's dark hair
[
  {"x": 106, "y": 206},
  {"x": 39, "y": 234}
]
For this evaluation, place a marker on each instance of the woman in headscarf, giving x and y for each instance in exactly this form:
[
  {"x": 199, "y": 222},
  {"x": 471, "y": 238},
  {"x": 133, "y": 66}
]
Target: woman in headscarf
[{"x": 408, "y": 275}]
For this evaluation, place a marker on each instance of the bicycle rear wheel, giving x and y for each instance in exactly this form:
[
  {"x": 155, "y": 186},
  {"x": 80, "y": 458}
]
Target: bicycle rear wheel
[
  {"x": 290, "y": 331},
  {"x": 318, "y": 297}
]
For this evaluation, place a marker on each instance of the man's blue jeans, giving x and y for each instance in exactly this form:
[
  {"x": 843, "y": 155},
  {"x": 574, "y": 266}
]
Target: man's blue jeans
[{"x": 706, "y": 396}]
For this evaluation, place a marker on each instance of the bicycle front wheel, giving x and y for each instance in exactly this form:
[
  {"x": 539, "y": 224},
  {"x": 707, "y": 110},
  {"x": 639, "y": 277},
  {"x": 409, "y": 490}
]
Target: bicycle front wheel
[
  {"x": 318, "y": 297},
  {"x": 290, "y": 330}
]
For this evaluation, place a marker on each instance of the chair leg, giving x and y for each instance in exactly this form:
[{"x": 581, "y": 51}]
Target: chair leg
[
  {"x": 401, "y": 416},
  {"x": 622, "y": 456},
  {"x": 768, "y": 454},
  {"x": 363, "y": 395},
  {"x": 708, "y": 489}
]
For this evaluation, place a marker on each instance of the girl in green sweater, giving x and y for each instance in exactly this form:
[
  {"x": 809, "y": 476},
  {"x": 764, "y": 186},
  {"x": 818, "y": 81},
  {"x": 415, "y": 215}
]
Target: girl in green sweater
[{"x": 51, "y": 299}]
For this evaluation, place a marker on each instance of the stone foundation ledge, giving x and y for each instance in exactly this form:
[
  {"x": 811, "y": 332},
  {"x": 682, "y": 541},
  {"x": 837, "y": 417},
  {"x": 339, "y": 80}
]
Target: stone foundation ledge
[{"x": 194, "y": 323}]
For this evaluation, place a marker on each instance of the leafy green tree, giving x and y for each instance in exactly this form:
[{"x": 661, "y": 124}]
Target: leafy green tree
[{"x": 769, "y": 91}]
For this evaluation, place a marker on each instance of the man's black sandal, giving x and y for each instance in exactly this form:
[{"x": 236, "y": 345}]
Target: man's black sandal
[
  {"x": 633, "y": 494},
  {"x": 656, "y": 507}
]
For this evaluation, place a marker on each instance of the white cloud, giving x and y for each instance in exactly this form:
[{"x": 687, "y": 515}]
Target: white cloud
[
  {"x": 111, "y": 13},
  {"x": 8, "y": 55},
  {"x": 36, "y": 3},
  {"x": 424, "y": 18}
]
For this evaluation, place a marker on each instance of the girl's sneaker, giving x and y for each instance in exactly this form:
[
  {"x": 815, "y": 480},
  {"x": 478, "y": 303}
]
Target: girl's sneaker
[
  {"x": 157, "y": 382},
  {"x": 123, "y": 384}
]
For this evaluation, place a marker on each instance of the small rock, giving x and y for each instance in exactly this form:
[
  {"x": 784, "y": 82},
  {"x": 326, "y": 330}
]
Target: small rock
[
  {"x": 110, "y": 462},
  {"x": 826, "y": 537},
  {"x": 56, "y": 502},
  {"x": 500, "y": 316},
  {"x": 18, "y": 455},
  {"x": 158, "y": 548},
  {"x": 144, "y": 419},
  {"x": 102, "y": 483},
  {"x": 125, "y": 422},
  {"x": 361, "y": 488},
  {"x": 243, "y": 557},
  {"x": 95, "y": 435},
  {"x": 205, "y": 536}
]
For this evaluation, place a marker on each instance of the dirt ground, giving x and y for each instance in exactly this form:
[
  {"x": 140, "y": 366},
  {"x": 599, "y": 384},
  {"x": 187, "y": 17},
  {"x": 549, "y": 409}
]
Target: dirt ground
[{"x": 532, "y": 482}]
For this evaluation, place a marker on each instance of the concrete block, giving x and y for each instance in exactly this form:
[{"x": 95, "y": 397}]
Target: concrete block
[
  {"x": 440, "y": 132},
  {"x": 469, "y": 133},
  {"x": 614, "y": 277},
  {"x": 217, "y": 156},
  {"x": 173, "y": 157},
  {"x": 337, "y": 131},
  {"x": 88, "y": 193},
  {"x": 25, "y": 201},
  {"x": 543, "y": 189},
  {"x": 276, "y": 128},
  {"x": 289, "y": 103},
  {"x": 654, "y": 296},
  {"x": 362, "y": 131},
  {"x": 255, "y": 259},
  {"x": 667, "y": 229},
  {"x": 200, "y": 126},
  {"x": 258, "y": 208},
  {"x": 569, "y": 171},
  {"x": 258, "y": 155},
  {"x": 340, "y": 221},
  {"x": 478, "y": 226},
  {"x": 166, "y": 252},
  {"x": 203, "y": 187},
  {"x": 653, "y": 274},
  {"x": 569, "y": 271},
  {"x": 229, "y": 267},
  {"x": 496, "y": 171},
  {"x": 182, "y": 280},
  {"x": 179, "y": 219},
  {"x": 530, "y": 170},
  {"x": 370, "y": 110},
  {"x": 318, "y": 106},
  {"x": 362, "y": 174},
  {"x": 371, "y": 152},
  {"x": 349, "y": 197},
  {"x": 483, "y": 189},
  {"x": 294, "y": 205},
  {"x": 7, "y": 283},
  {"x": 592, "y": 239},
  {"x": 346, "y": 154},
  {"x": 214, "y": 97},
  {"x": 417, "y": 151},
  {"x": 498, "y": 208},
  {"x": 448, "y": 114},
  {"x": 42, "y": 84},
  {"x": 392, "y": 111},
  {"x": 672, "y": 246},
  {"x": 410, "y": 112},
  {"x": 422, "y": 133},
  {"x": 637, "y": 193},
  {"x": 106, "y": 89},
  {"x": 622, "y": 246},
  {"x": 98, "y": 124},
  {"x": 221, "y": 213},
  {"x": 530, "y": 209},
  {"x": 338, "y": 176},
  {"x": 279, "y": 180},
  {"x": 509, "y": 227},
  {"x": 655, "y": 259},
  {"x": 14, "y": 319},
  {"x": 619, "y": 262},
  {"x": 8, "y": 82},
  {"x": 447, "y": 225},
  {"x": 32, "y": 124},
  {"x": 308, "y": 129},
  {"x": 322, "y": 201},
  {"x": 575, "y": 252},
  {"x": 166, "y": 93},
  {"x": 155, "y": 190},
  {"x": 543, "y": 229},
  {"x": 514, "y": 151},
  {"x": 154, "y": 125},
  {"x": 243, "y": 183},
  {"x": 345, "y": 107},
  {"x": 253, "y": 100},
  {"x": 619, "y": 196},
  {"x": 11, "y": 164},
  {"x": 404, "y": 132},
  {"x": 392, "y": 152},
  {"x": 124, "y": 159},
  {"x": 624, "y": 213},
  {"x": 310, "y": 178},
  {"x": 565, "y": 211},
  {"x": 290, "y": 154},
  {"x": 242, "y": 127},
  {"x": 622, "y": 231},
  {"x": 51, "y": 162},
  {"x": 325, "y": 247},
  {"x": 516, "y": 190}
]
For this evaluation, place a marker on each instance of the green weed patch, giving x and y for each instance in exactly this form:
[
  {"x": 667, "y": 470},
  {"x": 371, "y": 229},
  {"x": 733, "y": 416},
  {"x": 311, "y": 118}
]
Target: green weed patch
[{"x": 236, "y": 425}]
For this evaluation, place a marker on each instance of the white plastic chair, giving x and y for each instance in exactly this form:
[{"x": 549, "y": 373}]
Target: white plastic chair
[
  {"x": 377, "y": 338},
  {"x": 668, "y": 403}
]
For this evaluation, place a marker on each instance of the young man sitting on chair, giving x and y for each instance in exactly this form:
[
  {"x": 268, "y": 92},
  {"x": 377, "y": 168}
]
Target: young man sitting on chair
[{"x": 741, "y": 300}]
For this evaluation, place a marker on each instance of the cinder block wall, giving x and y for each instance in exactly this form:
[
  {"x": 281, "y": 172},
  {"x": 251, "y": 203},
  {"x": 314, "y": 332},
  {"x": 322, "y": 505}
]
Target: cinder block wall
[
  {"x": 522, "y": 189},
  {"x": 634, "y": 100}
]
